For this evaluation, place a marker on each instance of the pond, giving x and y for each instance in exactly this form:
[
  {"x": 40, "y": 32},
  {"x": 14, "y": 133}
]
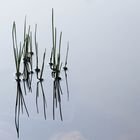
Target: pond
[{"x": 103, "y": 70}]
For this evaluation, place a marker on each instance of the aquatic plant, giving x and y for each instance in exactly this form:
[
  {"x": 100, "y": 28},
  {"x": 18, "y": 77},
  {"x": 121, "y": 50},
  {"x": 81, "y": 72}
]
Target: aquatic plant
[
  {"x": 55, "y": 66},
  {"x": 27, "y": 58},
  {"x": 42, "y": 68},
  {"x": 39, "y": 74},
  {"x": 37, "y": 70},
  {"x": 20, "y": 102},
  {"x": 23, "y": 55},
  {"x": 18, "y": 52},
  {"x": 65, "y": 68},
  {"x": 43, "y": 96}
]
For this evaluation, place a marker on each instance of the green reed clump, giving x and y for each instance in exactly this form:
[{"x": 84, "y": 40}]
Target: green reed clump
[
  {"x": 55, "y": 66},
  {"x": 20, "y": 102},
  {"x": 24, "y": 52},
  {"x": 23, "y": 55},
  {"x": 27, "y": 58},
  {"x": 18, "y": 52}
]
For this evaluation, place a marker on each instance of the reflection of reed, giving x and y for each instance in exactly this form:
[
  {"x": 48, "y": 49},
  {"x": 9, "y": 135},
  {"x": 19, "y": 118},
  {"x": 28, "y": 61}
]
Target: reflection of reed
[
  {"x": 20, "y": 105},
  {"x": 43, "y": 96},
  {"x": 57, "y": 97}
]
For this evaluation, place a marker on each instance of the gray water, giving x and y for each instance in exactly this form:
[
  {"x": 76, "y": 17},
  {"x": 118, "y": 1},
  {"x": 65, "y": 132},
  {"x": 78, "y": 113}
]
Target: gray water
[{"x": 104, "y": 69}]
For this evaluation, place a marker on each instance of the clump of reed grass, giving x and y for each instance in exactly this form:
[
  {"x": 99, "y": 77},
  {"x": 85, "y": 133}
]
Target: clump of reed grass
[
  {"x": 18, "y": 52},
  {"x": 24, "y": 51},
  {"x": 20, "y": 102},
  {"x": 55, "y": 66},
  {"x": 27, "y": 58}
]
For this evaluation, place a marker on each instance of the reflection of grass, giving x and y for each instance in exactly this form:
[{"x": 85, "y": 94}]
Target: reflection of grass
[
  {"x": 20, "y": 103},
  {"x": 44, "y": 98}
]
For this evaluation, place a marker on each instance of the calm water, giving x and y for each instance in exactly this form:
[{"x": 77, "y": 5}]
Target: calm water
[{"x": 104, "y": 70}]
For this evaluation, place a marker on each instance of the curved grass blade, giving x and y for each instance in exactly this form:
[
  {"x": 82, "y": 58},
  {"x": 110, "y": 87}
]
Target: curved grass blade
[
  {"x": 36, "y": 50},
  {"x": 42, "y": 69},
  {"x": 65, "y": 71},
  {"x": 58, "y": 59},
  {"x": 66, "y": 57}
]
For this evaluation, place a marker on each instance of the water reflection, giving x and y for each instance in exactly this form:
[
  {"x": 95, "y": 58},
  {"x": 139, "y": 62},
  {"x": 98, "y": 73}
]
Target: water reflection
[
  {"x": 20, "y": 105},
  {"x": 40, "y": 83}
]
